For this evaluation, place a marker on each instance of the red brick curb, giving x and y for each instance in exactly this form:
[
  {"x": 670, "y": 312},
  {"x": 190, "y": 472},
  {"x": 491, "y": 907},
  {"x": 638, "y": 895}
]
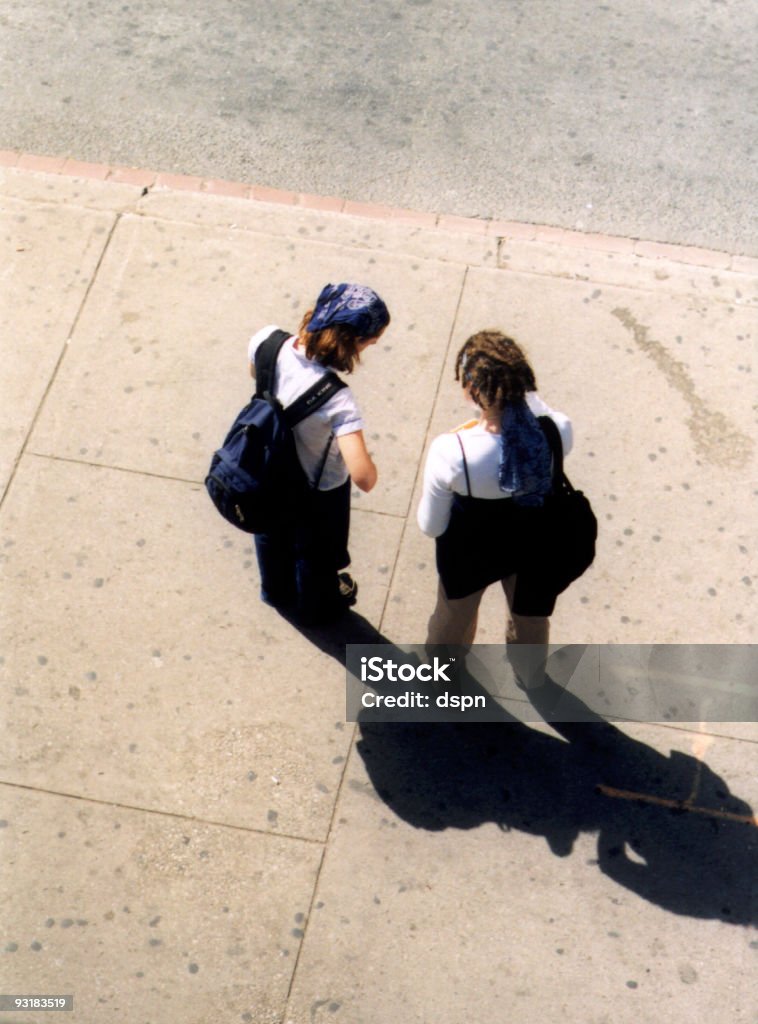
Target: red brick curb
[{"x": 513, "y": 230}]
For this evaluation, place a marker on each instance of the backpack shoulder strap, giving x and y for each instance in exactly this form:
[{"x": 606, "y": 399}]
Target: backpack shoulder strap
[
  {"x": 551, "y": 432},
  {"x": 312, "y": 399},
  {"x": 265, "y": 361},
  {"x": 553, "y": 436}
]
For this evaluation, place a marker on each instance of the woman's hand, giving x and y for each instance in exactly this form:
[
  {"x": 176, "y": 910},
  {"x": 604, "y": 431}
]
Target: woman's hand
[{"x": 359, "y": 463}]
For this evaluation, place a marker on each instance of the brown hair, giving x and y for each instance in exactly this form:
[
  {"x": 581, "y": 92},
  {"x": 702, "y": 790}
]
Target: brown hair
[
  {"x": 495, "y": 369},
  {"x": 335, "y": 346}
]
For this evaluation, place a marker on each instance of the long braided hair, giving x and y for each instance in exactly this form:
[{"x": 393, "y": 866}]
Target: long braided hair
[
  {"x": 495, "y": 369},
  {"x": 497, "y": 374}
]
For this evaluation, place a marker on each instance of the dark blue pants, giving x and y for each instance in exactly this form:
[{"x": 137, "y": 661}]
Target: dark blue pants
[{"x": 299, "y": 562}]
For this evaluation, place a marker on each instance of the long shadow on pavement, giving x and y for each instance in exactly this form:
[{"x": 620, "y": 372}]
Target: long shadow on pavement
[{"x": 667, "y": 827}]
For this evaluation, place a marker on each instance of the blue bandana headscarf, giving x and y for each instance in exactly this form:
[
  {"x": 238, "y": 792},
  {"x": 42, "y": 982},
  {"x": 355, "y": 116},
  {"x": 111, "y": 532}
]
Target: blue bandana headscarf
[
  {"x": 525, "y": 459},
  {"x": 354, "y": 304}
]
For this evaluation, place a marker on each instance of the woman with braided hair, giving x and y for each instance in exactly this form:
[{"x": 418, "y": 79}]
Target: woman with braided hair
[{"x": 484, "y": 485}]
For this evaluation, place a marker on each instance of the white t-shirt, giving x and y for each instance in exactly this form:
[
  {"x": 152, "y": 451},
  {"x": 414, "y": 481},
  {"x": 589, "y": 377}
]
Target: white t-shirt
[
  {"x": 340, "y": 415},
  {"x": 444, "y": 474}
]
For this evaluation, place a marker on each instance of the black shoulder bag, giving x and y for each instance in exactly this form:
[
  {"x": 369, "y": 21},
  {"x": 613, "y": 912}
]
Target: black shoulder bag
[{"x": 569, "y": 526}]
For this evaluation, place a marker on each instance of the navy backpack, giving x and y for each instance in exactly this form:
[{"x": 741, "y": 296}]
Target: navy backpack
[{"x": 255, "y": 478}]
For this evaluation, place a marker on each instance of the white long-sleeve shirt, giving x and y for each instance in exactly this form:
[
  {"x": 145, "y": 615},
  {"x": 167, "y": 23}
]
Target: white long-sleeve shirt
[{"x": 444, "y": 474}]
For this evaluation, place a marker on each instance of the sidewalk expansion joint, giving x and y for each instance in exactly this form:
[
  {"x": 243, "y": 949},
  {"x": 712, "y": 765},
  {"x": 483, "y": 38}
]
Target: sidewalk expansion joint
[
  {"x": 197, "y": 482},
  {"x": 156, "y": 812},
  {"x": 420, "y": 463},
  {"x": 61, "y": 356},
  {"x": 317, "y": 879},
  {"x": 117, "y": 469},
  {"x": 682, "y": 727}
]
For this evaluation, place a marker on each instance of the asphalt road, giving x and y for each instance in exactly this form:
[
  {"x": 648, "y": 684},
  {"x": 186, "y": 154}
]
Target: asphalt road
[{"x": 633, "y": 117}]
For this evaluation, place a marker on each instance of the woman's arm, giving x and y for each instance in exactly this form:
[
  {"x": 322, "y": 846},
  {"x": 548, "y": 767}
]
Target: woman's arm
[
  {"x": 359, "y": 463},
  {"x": 436, "y": 502}
]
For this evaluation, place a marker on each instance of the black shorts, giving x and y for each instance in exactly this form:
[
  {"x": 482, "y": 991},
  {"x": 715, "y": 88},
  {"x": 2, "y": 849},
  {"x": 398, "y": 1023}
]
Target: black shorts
[{"x": 489, "y": 540}]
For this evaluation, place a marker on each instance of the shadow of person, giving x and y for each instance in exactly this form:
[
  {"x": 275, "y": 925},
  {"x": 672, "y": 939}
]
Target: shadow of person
[
  {"x": 332, "y": 638},
  {"x": 667, "y": 827}
]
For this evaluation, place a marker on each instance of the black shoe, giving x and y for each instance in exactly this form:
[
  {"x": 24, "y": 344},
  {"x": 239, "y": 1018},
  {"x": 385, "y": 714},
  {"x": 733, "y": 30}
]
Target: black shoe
[{"x": 348, "y": 589}]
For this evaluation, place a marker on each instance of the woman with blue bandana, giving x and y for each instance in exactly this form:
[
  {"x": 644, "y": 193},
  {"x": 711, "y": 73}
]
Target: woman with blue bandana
[
  {"x": 301, "y": 565},
  {"x": 484, "y": 484}
]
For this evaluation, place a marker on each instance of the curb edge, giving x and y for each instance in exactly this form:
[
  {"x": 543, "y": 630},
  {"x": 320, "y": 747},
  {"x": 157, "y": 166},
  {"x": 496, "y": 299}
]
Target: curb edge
[{"x": 494, "y": 228}]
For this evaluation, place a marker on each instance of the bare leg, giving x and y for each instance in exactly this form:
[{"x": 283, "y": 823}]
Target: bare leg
[
  {"x": 526, "y": 642},
  {"x": 509, "y": 586},
  {"x": 454, "y": 621}
]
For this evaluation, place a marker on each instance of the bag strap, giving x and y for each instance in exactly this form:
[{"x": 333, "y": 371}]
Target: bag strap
[
  {"x": 465, "y": 465},
  {"x": 553, "y": 435},
  {"x": 318, "y": 394},
  {"x": 311, "y": 399},
  {"x": 265, "y": 362}
]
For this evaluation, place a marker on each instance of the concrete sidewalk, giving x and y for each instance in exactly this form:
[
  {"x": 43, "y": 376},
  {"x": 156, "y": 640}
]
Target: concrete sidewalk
[{"x": 191, "y": 830}]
